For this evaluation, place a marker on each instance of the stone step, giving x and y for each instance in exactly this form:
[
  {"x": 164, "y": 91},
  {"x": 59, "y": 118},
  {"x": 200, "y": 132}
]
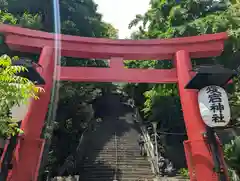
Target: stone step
[
  {"x": 105, "y": 160},
  {"x": 129, "y": 144},
  {"x": 112, "y": 164},
  {"x": 120, "y": 165},
  {"x": 126, "y": 139},
  {"x": 122, "y": 173},
  {"x": 113, "y": 147},
  {"x": 177, "y": 178},
  {"x": 120, "y": 145},
  {"x": 120, "y": 177},
  {"x": 113, "y": 160},
  {"x": 119, "y": 158},
  {"x": 111, "y": 179},
  {"x": 123, "y": 141},
  {"x": 111, "y": 173},
  {"x": 130, "y": 139},
  {"x": 107, "y": 178},
  {"x": 139, "y": 178},
  {"x": 125, "y": 151},
  {"x": 113, "y": 154},
  {"x": 122, "y": 148},
  {"x": 119, "y": 148},
  {"x": 120, "y": 154},
  {"x": 122, "y": 168},
  {"x": 111, "y": 150}
]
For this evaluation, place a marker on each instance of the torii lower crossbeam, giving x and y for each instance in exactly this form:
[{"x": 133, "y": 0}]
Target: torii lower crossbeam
[{"x": 89, "y": 74}]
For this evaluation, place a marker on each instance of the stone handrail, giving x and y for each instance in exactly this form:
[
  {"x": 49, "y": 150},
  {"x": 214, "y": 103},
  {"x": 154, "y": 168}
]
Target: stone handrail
[{"x": 149, "y": 147}]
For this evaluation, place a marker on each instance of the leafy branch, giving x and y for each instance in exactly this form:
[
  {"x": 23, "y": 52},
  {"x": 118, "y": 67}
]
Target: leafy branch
[{"x": 14, "y": 90}]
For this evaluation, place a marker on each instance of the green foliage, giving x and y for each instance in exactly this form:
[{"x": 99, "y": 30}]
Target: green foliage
[
  {"x": 169, "y": 19},
  {"x": 7, "y": 18},
  {"x": 184, "y": 172},
  {"x": 28, "y": 20},
  {"x": 233, "y": 175},
  {"x": 77, "y": 18},
  {"x": 155, "y": 95},
  {"x": 109, "y": 31},
  {"x": 14, "y": 90},
  {"x": 232, "y": 156}
]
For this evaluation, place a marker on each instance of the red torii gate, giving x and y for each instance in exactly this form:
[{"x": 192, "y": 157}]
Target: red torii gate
[{"x": 180, "y": 50}]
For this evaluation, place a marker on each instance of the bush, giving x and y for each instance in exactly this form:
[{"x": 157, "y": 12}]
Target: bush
[
  {"x": 232, "y": 153},
  {"x": 184, "y": 172},
  {"x": 232, "y": 157}
]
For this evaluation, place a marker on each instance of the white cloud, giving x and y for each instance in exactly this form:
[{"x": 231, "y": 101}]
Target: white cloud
[{"x": 120, "y": 12}]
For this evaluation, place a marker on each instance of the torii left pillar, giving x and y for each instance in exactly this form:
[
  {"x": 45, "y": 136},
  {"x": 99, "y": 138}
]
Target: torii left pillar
[{"x": 30, "y": 146}]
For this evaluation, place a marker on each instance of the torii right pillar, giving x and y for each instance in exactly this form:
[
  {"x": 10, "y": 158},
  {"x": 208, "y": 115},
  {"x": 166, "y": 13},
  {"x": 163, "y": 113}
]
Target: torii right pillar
[{"x": 198, "y": 155}]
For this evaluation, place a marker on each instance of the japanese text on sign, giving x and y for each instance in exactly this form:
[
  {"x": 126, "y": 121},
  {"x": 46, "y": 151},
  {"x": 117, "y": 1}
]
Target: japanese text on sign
[
  {"x": 215, "y": 101},
  {"x": 214, "y": 106}
]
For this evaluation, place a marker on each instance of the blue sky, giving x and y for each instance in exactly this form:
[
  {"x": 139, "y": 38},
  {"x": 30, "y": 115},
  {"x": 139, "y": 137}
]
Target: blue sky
[{"x": 120, "y": 12}]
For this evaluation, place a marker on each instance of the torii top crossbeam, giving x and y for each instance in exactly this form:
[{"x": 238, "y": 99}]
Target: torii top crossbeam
[{"x": 26, "y": 40}]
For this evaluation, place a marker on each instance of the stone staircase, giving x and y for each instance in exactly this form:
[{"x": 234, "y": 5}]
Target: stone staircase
[
  {"x": 112, "y": 152},
  {"x": 129, "y": 166}
]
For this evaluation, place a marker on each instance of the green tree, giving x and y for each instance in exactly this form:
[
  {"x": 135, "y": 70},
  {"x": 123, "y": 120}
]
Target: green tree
[
  {"x": 170, "y": 19},
  {"x": 77, "y": 18},
  {"x": 109, "y": 31}
]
